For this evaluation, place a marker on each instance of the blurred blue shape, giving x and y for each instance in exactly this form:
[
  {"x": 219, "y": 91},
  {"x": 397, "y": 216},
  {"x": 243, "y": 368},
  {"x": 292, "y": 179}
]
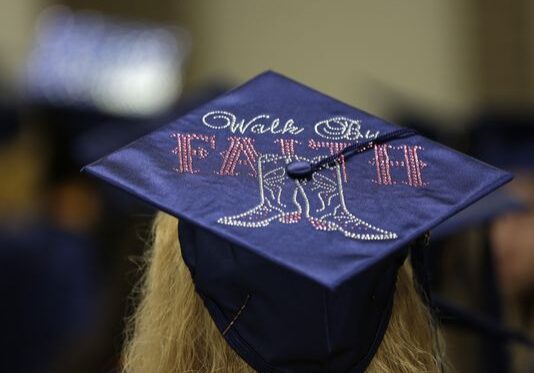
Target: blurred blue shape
[
  {"x": 484, "y": 211},
  {"x": 9, "y": 121},
  {"x": 110, "y": 134},
  {"x": 50, "y": 290},
  {"x": 504, "y": 140},
  {"x": 86, "y": 60}
]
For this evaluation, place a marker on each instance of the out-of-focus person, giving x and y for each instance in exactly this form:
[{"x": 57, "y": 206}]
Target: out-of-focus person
[{"x": 508, "y": 141}]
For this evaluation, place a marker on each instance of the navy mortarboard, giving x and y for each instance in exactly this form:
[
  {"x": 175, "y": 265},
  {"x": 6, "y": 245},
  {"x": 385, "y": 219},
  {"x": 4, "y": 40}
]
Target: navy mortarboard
[{"x": 296, "y": 211}]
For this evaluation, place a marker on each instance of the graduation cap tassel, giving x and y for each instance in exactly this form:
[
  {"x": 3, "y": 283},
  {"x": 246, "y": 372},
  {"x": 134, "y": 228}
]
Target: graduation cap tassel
[{"x": 303, "y": 169}]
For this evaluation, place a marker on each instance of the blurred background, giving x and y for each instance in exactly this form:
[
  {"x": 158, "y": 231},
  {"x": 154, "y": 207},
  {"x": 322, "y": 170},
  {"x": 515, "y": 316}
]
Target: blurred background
[{"x": 80, "y": 78}]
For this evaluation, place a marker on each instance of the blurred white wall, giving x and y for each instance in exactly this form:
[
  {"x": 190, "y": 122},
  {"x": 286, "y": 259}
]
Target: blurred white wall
[
  {"x": 445, "y": 57},
  {"x": 369, "y": 53}
]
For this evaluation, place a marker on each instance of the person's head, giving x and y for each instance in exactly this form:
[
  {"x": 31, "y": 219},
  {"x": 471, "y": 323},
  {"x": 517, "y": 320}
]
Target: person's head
[
  {"x": 171, "y": 330},
  {"x": 507, "y": 140}
]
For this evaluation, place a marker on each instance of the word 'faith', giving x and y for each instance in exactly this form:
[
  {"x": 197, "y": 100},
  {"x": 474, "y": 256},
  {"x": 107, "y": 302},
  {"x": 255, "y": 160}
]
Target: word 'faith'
[{"x": 392, "y": 164}]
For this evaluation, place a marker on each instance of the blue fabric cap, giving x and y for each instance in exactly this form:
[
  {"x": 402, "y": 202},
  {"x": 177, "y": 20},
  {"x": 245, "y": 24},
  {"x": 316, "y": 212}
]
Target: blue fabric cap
[{"x": 297, "y": 273}]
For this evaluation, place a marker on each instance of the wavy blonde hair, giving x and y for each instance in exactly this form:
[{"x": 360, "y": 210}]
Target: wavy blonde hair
[{"x": 171, "y": 331}]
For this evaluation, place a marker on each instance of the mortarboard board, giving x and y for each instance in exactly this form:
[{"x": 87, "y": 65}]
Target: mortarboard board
[
  {"x": 296, "y": 211},
  {"x": 111, "y": 134}
]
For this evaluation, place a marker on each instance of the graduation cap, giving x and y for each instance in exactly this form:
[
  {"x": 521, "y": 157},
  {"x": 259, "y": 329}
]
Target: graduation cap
[{"x": 296, "y": 211}]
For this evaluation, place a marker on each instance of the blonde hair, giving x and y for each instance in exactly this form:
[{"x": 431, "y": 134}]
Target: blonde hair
[{"x": 171, "y": 331}]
